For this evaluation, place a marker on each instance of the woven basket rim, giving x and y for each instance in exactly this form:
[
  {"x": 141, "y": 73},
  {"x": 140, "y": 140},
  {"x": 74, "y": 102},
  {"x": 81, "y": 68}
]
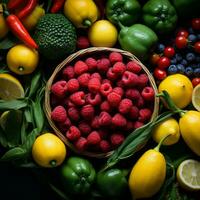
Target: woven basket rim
[{"x": 69, "y": 59}]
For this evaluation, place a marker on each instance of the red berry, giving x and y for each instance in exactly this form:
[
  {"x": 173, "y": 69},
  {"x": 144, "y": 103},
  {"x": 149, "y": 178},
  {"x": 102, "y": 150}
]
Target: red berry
[
  {"x": 91, "y": 63},
  {"x": 87, "y": 112},
  {"x": 163, "y": 63},
  {"x": 59, "y": 114},
  {"x": 134, "y": 67},
  {"x": 140, "y": 102},
  {"x": 82, "y": 42},
  {"x": 105, "y": 119},
  {"x": 182, "y": 32},
  {"x": 114, "y": 99},
  {"x": 144, "y": 114},
  {"x": 96, "y": 75},
  {"x": 159, "y": 74},
  {"x": 83, "y": 79},
  {"x": 143, "y": 80},
  {"x": 119, "y": 120},
  {"x": 119, "y": 68},
  {"x": 68, "y": 72},
  {"x": 138, "y": 124},
  {"x": 78, "y": 98},
  {"x": 104, "y": 146},
  {"x": 103, "y": 133},
  {"x": 72, "y": 85},
  {"x": 105, "y": 89},
  {"x": 134, "y": 112},
  {"x": 103, "y": 65},
  {"x": 69, "y": 104},
  {"x": 154, "y": 58},
  {"x": 129, "y": 126},
  {"x": 196, "y": 23},
  {"x": 73, "y": 133},
  {"x": 197, "y": 47},
  {"x": 106, "y": 81},
  {"x": 132, "y": 94},
  {"x": 93, "y": 99},
  {"x": 169, "y": 52},
  {"x": 94, "y": 85},
  {"x": 116, "y": 139},
  {"x": 95, "y": 122},
  {"x": 115, "y": 57},
  {"x": 64, "y": 126},
  {"x": 81, "y": 144},
  {"x": 148, "y": 93},
  {"x": 111, "y": 75},
  {"x": 80, "y": 67},
  {"x": 93, "y": 138},
  {"x": 73, "y": 113},
  {"x": 84, "y": 127},
  {"x": 105, "y": 106},
  {"x": 195, "y": 81},
  {"x": 125, "y": 106},
  {"x": 181, "y": 42},
  {"x": 130, "y": 79},
  {"x": 59, "y": 88}
]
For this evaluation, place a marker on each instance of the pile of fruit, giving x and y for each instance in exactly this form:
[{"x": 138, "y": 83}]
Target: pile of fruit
[{"x": 102, "y": 103}]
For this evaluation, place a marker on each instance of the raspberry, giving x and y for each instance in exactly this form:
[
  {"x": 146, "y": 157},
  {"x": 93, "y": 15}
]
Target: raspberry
[
  {"x": 95, "y": 122},
  {"x": 73, "y": 133},
  {"x": 73, "y": 113},
  {"x": 104, "y": 146},
  {"x": 103, "y": 65},
  {"x": 105, "y": 89},
  {"x": 59, "y": 88},
  {"x": 78, "y": 98},
  {"x": 93, "y": 138},
  {"x": 115, "y": 57},
  {"x": 72, "y": 85},
  {"x": 134, "y": 67},
  {"x": 83, "y": 79},
  {"x": 106, "y": 81},
  {"x": 129, "y": 126},
  {"x": 144, "y": 114},
  {"x": 81, "y": 144},
  {"x": 105, "y": 119},
  {"x": 59, "y": 114},
  {"x": 138, "y": 124},
  {"x": 118, "y": 90},
  {"x": 114, "y": 99},
  {"x": 105, "y": 106},
  {"x": 87, "y": 112},
  {"x": 111, "y": 75},
  {"x": 134, "y": 112},
  {"x": 140, "y": 102},
  {"x": 84, "y": 127},
  {"x": 103, "y": 133},
  {"x": 94, "y": 85},
  {"x": 80, "y": 67},
  {"x": 119, "y": 68},
  {"x": 69, "y": 104},
  {"x": 125, "y": 105},
  {"x": 96, "y": 75},
  {"x": 148, "y": 94},
  {"x": 132, "y": 94},
  {"x": 120, "y": 84},
  {"x": 64, "y": 126},
  {"x": 116, "y": 139},
  {"x": 119, "y": 120},
  {"x": 68, "y": 72},
  {"x": 130, "y": 79},
  {"x": 143, "y": 80},
  {"x": 91, "y": 63},
  {"x": 93, "y": 99},
  {"x": 82, "y": 42}
]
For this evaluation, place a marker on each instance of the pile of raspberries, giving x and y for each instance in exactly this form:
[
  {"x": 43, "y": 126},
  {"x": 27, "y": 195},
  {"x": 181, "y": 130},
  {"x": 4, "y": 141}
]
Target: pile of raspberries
[{"x": 97, "y": 101}]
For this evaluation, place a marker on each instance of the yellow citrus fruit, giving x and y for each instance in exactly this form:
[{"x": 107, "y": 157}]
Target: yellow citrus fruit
[
  {"x": 48, "y": 150},
  {"x": 3, "y": 26},
  {"x": 196, "y": 97},
  {"x": 102, "y": 34},
  {"x": 3, "y": 119},
  {"x": 22, "y": 59},
  {"x": 188, "y": 175},
  {"x": 179, "y": 88},
  {"x": 167, "y": 127},
  {"x": 10, "y": 87}
]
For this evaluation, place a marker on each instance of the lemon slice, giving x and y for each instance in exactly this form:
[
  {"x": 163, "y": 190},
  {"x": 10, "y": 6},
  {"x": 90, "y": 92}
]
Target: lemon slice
[
  {"x": 3, "y": 119},
  {"x": 10, "y": 87},
  {"x": 196, "y": 97},
  {"x": 188, "y": 174}
]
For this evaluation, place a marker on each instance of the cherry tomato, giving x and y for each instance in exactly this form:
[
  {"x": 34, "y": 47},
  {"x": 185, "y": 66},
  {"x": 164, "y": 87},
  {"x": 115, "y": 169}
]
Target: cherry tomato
[
  {"x": 169, "y": 52},
  {"x": 181, "y": 42},
  {"x": 154, "y": 58},
  {"x": 196, "y": 23},
  {"x": 159, "y": 74},
  {"x": 195, "y": 81},
  {"x": 197, "y": 47},
  {"x": 182, "y": 32},
  {"x": 163, "y": 62}
]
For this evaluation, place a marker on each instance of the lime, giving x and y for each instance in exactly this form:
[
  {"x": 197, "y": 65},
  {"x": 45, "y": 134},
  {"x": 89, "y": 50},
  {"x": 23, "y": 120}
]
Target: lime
[
  {"x": 196, "y": 97},
  {"x": 10, "y": 87},
  {"x": 188, "y": 174}
]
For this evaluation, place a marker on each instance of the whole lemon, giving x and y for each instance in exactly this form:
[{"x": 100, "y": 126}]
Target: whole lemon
[
  {"x": 179, "y": 88},
  {"x": 102, "y": 34},
  {"x": 22, "y": 59},
  {"x": 48, "y": 150},
  {"x": 166, "y": 127}
]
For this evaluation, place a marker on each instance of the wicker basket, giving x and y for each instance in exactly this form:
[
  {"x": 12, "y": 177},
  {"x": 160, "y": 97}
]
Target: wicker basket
[{"x": 75, "y": 56}]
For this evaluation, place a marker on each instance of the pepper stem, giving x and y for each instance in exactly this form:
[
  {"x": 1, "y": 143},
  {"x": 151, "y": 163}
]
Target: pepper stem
[
  {"x": 87, "y": 22},
  {"x": 5, "y": 11},
  {"x": 121, "y": 25},
  {"x": 53, "y": 163},
  {"x": 157, "y": 148}
]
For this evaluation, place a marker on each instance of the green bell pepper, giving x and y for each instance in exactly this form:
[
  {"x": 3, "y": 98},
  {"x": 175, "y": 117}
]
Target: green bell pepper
[
  {"x": 160, "y": 15},
  {"x": 127, "y": 12},
  {"x": 112, "y": 183},
  {"x": 77, "y": 175},
  {"x": 187, "y": 8},
  {"x": 138, "y": 39}
]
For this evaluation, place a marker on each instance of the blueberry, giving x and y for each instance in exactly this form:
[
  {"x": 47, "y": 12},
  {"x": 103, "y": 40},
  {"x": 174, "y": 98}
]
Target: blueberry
[
  {"x": 172, "y": 69},
  {"x": 190, "y": 30},
  {"x": 194, "y": 65},
  {"x": 192, "y": 38},
  {"x": 188, "y": 71},
  {"x": 178, "y": 57},
  {"x": 197, "y": 72},
  {"x": 190, "y": 57},
  {"x": 184, "y": 62},
  {"x": 181, "y": 68},
  {"x": 173, "y": 61},
  {"x": 160, "y": 48}
]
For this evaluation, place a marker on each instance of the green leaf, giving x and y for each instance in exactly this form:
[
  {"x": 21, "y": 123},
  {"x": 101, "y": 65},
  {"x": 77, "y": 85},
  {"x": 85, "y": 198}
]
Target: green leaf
[
  {"x": 3, "y": 140},
  {"x": 8, "y": 42},
  {"x": 23, "y": 130},
  {"x": 49, "y": 3},
  {"x": 13, "y": 104},
  {"x": 14, "y": 154}
]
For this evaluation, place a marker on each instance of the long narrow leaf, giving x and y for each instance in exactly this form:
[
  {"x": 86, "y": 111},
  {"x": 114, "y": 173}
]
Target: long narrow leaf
[{"x": 13, "y": 104}]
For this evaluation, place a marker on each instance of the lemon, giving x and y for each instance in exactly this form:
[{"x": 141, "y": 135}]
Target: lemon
[
  {"x": 10, "y": 87},
  {"x": 102, "y": 34},
  {"x": 188, "y": 175},
  {"x": 167, "y": 127},
  {"x": 48, "y": 150},
  {"x": 196, "y": 97},
  {"x": 179, "y": 88}
]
